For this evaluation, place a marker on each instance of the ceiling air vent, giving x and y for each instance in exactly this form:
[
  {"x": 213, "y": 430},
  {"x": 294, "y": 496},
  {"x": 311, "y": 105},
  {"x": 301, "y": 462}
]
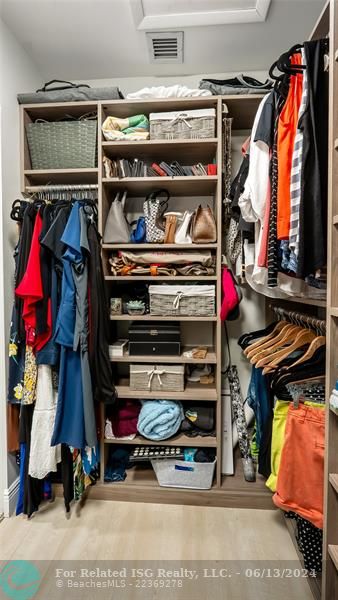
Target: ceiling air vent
[{"x": 165, "y": 46}]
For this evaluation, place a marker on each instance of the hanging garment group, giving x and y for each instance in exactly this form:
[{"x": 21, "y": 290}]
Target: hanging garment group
[{"x": 59, "y": 360}]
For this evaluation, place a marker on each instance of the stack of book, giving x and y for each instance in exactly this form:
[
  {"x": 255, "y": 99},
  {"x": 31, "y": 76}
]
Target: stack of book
[{"x": 122, "y": 167}]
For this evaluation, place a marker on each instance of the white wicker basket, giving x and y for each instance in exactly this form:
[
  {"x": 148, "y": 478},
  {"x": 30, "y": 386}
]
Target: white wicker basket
[
  {"x": 188, "y": 300},
  {"x": 184, "y": 474},
  {"x": 166, "y": 378},
  {"x": 185, "y": 124}
]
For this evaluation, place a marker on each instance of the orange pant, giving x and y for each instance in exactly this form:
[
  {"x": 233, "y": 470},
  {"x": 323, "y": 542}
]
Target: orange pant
[
  {"x": 300, "y": 481},
  {"x": 287, "y": 128}
]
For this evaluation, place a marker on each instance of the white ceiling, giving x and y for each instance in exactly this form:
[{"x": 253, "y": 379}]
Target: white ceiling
[{"x": 98, "y": 39}]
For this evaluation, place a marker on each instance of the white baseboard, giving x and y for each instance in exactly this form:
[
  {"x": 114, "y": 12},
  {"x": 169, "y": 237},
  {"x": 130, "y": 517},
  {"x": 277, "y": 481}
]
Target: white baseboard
[{"x": 11, "y": 497}]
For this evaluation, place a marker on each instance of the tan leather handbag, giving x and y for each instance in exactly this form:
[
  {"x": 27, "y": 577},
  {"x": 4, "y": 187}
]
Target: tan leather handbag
[{"x": 204, "y": 226}]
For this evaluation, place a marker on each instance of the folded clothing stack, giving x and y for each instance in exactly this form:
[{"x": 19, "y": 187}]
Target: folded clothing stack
[
  {"x": 242, "y": 84},
  {"x": 123, "y": 421},
  {"x": 118, "y": 462},
  {"x": 199, "y": 420},
  {"x": 160, "y": 419},
  {"x": 130, "y": 128}
]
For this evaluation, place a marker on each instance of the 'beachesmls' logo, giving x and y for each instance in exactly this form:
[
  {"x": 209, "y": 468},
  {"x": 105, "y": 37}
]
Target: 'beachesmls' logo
[{"x": 20, "y": 579}]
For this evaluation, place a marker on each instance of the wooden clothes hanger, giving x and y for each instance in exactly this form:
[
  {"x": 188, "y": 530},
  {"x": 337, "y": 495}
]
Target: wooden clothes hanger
[
  {"x": 315, "y": 344},
  {"x": 304, "y": 337},
  {"x": 279, "y": 326},
  {"x": 285, "y": 337}
]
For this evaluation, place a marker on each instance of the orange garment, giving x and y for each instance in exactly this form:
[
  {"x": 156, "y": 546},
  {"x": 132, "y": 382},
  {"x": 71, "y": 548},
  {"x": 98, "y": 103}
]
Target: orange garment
[
  {"x": 300, "y": 481},
  {"x": 287, "y": 128}
]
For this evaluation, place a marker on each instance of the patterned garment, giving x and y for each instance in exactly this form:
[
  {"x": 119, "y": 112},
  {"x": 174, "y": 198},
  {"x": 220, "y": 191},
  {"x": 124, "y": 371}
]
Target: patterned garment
[
  {"x": 272, "y": 241},
  {"x": 30, "y": 377},
  {"x": 238, "y": 412},
  {"x": 310, "y": 542},
  {"x": 296, "y": 173}
]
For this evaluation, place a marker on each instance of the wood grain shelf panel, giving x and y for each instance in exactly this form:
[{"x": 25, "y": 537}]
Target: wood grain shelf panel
[
  {"x": 178, "y": 247},
  {"x": 203, "y": 185},
  {"x": 60, "y": 176},
  {"x": 307, "y": 301},
  {"x": 145, "y": 358},
  {"x": 333, "y": 552},
  {"x": 141, "y": 486},
  {"x": 333, "y": 479},
  {"x": 177, "y": 440},
  {"x": 193, "y": 391},
  {"x": 122, "y": 278},
  {"x": 157, "y": 318},
  {"x": 185, "y": 151}
]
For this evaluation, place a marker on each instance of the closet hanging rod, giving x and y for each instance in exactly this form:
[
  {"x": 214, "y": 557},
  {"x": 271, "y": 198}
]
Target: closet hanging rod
[
  {"x": 62, "y": 188},
  {"x": 299, "y": 318}
]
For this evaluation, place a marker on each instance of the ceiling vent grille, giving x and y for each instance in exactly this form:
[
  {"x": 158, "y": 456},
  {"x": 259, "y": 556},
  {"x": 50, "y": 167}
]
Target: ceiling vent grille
[{"x": 165, "y": 46}]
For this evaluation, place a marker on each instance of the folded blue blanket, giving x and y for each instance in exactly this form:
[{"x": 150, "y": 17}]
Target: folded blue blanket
[{"x": 160, "y": 419}]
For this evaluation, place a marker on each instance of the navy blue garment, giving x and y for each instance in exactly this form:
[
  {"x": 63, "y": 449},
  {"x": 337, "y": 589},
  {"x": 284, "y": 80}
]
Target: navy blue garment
[
  {"x": 70, "y": 420},
  {"x": 259, "y": 400},
  {"x": 19, "y": 504}
]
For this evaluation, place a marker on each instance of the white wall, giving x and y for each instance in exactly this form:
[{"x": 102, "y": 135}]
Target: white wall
[{"x": 17, "y": 74}]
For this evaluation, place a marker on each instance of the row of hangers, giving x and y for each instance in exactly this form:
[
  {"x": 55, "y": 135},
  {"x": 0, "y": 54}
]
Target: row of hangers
[{"x": 285, "y": 338}]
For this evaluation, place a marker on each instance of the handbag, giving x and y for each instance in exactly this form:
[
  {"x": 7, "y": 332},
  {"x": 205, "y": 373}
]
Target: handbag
[
  {"x": 183, "y": 231},
  {"x": 138, "y": 235},
  {"x": 171, "y": 220},
  {"x": 204, "y": 226},
  {"x": 117, "y": 229},
  {"x": 154, "y": 208}
]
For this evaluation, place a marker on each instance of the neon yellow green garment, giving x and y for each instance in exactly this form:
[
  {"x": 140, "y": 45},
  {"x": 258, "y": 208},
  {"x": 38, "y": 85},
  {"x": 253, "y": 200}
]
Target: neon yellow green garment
[{"x": 278, "y": 432}]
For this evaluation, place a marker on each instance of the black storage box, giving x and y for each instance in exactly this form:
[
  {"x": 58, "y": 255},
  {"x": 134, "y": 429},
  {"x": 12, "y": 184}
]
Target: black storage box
[{"x": 154, "y": 338}]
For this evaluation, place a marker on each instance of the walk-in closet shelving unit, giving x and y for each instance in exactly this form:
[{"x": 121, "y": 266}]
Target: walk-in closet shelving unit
[
  {"x": 330, "y": 573},
  {"x": 141, "y": 484}
]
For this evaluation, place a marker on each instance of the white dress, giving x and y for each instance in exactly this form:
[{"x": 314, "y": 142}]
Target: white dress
[{"x": 43, "y": 457}]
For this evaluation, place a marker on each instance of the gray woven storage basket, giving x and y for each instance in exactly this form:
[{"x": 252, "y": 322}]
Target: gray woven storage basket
[
  {"x": 166, "y": 378},
  {"x": 186, "y": 125},
  {"x": 197, "y": 301},
  {"x": 63, "y": 144}
]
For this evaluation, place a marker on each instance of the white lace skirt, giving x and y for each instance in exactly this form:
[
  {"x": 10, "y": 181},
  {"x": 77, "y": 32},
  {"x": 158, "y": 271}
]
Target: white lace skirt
[{"x": 43, "y": 457}]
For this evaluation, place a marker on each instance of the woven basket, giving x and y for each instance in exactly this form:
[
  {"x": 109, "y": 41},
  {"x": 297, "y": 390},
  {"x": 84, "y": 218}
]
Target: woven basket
[
  {"x": 198, "y": 300},
  {"x": 166, "y": 378},
  {"x": 63, "y": 144},
  {"x": 184, "y": 125}
]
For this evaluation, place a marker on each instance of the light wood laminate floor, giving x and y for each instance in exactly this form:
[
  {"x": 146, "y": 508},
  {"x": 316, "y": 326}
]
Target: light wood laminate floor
[{"x": 145, "y": 532}]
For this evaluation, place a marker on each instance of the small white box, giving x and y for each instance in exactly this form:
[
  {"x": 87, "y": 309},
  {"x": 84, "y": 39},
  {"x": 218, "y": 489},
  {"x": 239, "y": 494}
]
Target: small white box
[{"x": 117, "y": 349}]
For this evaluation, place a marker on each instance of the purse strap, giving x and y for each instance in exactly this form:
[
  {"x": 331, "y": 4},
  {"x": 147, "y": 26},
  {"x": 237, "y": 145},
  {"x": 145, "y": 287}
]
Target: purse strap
[{"x": 68, "y": 85}]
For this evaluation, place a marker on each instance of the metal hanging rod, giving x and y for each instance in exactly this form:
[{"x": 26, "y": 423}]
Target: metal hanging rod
[
  {"x": 62, "y": 188},
  {"x": 300, "y": 319}
]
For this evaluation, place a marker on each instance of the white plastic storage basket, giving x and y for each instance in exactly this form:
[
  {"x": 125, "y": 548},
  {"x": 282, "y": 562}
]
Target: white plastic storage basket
[
  {"x": 184, "y": 474},
  {"x": 184, "y": 124},
  {"x": 189, "y": 300}
]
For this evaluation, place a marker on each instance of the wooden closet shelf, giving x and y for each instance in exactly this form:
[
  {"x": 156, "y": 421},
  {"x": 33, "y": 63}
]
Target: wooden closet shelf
[
  {"x": 178, "y": 440},
  {"x": 193, "y": 391},
  {"x": 121, "y": 278},
  {"x": 333, "y": 552},
  {"x": 187, "y": 152},
  {"x": 158, "y": 318},
  {"x": 333, "y": 479},
  {"x": 145, "y": 358},
  {"x": 60, "y": 176},
  {"x": 203, "y": 185},
  {"x": 177, "y": 247},
  {"x": 308, "y": 301}
]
